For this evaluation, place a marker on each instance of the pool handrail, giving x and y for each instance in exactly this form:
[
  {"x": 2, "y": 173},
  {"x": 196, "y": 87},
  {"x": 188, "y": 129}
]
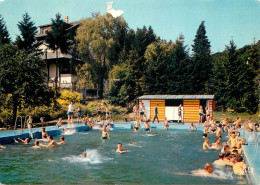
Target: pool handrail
[{"x": 15, "y": 125}]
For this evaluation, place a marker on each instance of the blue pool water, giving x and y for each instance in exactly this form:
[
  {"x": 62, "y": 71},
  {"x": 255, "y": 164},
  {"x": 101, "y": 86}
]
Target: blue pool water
[{"x": 167, "y": 158}]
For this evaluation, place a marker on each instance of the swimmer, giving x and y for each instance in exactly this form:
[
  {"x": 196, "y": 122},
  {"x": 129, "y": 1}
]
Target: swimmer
[
  {"x": 217, "y": 144},
  {"x": 105, "y": 134},
  {"x": 84, "y": 155},
  {"x": 120, "y": 149},
  {"x": 219, "y": 131},
  {"x": 239, "y": 167},
  {"x": 147, "y": 127},
  {"x": 2, "y": 147},
  {"x": 52, "y": 142},
  {"x": 166, "y": 124},
  {"x": 154, "y": 134},
  {"x": 193, "y": 127},
  {"x": 44, "y": 133},
  {"x": 26, "y": 141},
  {"x": 233, "y": 140},
  {"x": 132, "y": 143},
  {"x": 213, "y": 127},
  {"x": 207, "y": 171},
  {"x": 221, "y": 161},
  {"x": 136, "y": 125},
  {"x": 36, "y": 144},
  {"x": 206, "y": 131},
  {"x": 62, "y": 141},
  {"x": 206, "y": 144}
]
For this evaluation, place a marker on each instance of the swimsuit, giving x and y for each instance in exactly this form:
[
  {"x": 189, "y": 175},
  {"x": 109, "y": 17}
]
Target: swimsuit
[
  {"x": 104, "y": 137},
  {"x": 200, "y": 114},
  {"x": 205, "y": 135},
  {"x": 136, "y": 128},
  {"x": 146, "y": 129}
]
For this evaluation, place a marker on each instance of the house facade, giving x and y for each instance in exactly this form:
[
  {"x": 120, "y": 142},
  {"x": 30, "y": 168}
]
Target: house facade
[{"x": 64, "y": 64}]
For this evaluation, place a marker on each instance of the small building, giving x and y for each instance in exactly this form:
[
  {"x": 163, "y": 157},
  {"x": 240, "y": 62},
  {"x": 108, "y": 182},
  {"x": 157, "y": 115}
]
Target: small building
[{"x": 168, "y": 106}]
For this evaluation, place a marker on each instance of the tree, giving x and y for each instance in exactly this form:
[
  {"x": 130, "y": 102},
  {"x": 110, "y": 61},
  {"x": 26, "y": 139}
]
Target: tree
[
  {"x": 179, "y": 79},
  {"x": 98, "y": 45},
  {"x": 120, "y": 90},
  {"x": 58, "y": 39},
  {"x": 157, "y": 62},
  {"x": 4, "y": 35},
  {"x": 28, "y": 31},
  {"x": 22, "y": 76},
  {"x": 202, "y": 63}
]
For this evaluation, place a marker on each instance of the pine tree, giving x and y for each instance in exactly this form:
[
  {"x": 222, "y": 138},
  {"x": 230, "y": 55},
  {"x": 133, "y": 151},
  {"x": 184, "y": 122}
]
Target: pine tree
[
  {"x": 202, "y": 63},
  {"x": 28, "y": 31},
  {"x": 58, "y": 38},
  {"x": 4, "y": 35}
]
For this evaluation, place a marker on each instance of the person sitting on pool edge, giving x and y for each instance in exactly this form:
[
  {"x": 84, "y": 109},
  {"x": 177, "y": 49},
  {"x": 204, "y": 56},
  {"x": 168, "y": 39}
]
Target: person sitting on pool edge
[
  {"x": 62, "y": 141},
  {"x": 137, "y": 125},
  {"x": 105, "y": 134},
  {"x": 147, "y": 127},
  {"x": 120, "y": 149}
]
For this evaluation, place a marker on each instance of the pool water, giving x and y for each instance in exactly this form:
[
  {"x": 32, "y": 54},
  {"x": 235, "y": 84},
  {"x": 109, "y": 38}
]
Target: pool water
[{"x": 167, "y": 158}]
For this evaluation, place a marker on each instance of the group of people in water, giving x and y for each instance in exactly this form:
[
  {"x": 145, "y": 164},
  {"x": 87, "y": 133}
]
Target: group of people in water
[{"x": 231, "y": 151}]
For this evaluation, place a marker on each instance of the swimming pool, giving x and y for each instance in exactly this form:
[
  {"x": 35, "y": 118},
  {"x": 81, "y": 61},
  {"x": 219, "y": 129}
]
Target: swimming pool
[{"x": 167, "y": 158}]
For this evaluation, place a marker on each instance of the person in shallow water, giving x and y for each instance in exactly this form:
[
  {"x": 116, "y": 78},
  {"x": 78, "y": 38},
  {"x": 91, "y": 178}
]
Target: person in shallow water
[
  {"x": 26, "y": 141},
  {"x": 221, "y": 161},
  {"x": 52, "y": 142},
  {"x": 147, "y": 127},
  {"x": 105, "y": 134},
  {"x": 62, "y": 141},
  {"x": 207, "y": 171},
  {"x": 1, "y": 147},
  {"x": 136, "y": 125},
  {"x": 36, "y": 144},
  {"x": 193, "y": 127},
  {"x": 84, "y": 154},
  {"x": 120, "y": 149}
]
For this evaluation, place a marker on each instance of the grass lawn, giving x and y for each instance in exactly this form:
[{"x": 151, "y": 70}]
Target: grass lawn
[{"x": 217, "y": 115}]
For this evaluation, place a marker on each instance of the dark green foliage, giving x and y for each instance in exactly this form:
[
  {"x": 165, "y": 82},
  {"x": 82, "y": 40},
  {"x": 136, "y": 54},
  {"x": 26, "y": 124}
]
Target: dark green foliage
[
  {"x": 120, "y": 90},
  {"x": 58, "y": 37},
  {"x": 28, "y": 31},
  {"x": 233, "y": 80},
  {"x": 22, "y": 76},
  {"x": 4, "y": 35},
  {"x": 201, "y": 61}
]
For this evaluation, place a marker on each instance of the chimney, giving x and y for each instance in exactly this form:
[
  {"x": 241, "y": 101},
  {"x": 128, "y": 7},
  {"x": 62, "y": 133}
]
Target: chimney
[{"x": 66, "y": 19}]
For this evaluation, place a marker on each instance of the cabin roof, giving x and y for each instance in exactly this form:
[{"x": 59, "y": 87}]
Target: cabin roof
[{"x": 171, "y": 97}]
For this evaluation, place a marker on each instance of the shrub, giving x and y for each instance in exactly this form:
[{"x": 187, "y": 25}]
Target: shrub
[{"x": 66, "y": 96}]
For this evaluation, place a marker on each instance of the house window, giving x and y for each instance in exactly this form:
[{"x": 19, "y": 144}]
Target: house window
[
  {"x": 64, "y": 67},
  {"x": 173, "y": 103}
]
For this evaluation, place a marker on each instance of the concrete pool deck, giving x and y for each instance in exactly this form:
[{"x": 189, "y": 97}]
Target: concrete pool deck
[{"x": 251, "y": 151}]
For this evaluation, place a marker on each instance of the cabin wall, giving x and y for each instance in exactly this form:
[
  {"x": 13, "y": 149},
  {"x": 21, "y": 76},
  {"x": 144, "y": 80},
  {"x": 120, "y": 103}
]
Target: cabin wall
[
  {"x": 191, "y": 110},
  {"x": 161, "y": 109}
]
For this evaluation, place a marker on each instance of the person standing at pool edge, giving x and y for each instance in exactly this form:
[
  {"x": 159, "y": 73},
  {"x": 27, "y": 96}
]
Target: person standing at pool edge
[
  {"x": 180, "y": 113},
  {"x": 156, "y": 113},
  {"x": 70, "y": 114}
]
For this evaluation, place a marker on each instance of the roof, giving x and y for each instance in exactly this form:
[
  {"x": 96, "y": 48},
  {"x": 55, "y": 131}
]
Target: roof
[
  {"x": 73, "y": 24},
  {"x": 172, "y": 97}
]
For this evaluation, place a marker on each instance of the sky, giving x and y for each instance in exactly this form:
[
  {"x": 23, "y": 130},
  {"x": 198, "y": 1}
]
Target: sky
[{"x": 224, "y": 19}]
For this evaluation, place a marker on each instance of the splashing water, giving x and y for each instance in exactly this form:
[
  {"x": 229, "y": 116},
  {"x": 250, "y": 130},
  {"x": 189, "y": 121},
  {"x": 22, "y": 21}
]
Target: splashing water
[
  {"x": 218, "y": 174},
  {"x": 93, "y": 157},
  {"x": 69, "y": 132}
]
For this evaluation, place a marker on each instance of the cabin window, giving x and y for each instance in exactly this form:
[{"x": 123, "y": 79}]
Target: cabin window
[{"x": 173, "y": 103}]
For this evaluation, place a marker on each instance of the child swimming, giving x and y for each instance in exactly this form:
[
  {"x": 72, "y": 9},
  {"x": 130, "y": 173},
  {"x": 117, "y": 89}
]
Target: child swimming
[
  {"x": 120, "y": 149},
  {"x": 206, "y": 144}
]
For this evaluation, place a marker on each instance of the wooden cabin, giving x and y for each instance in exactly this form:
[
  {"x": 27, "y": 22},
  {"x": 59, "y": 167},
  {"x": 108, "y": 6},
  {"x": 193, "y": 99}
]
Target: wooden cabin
[{"x": 168, "y": 106}]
